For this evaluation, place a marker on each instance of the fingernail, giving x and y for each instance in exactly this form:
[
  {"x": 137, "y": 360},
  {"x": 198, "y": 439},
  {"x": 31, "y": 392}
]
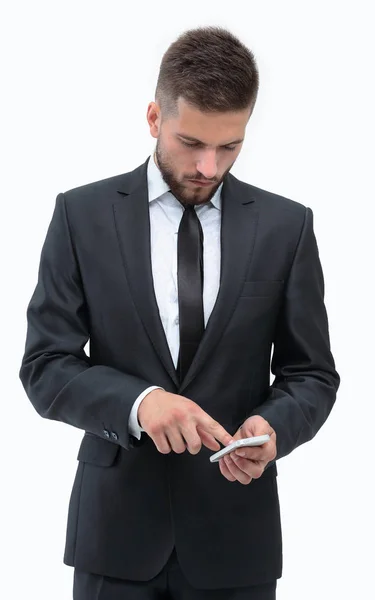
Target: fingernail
[{"x": 240, "y": 453}]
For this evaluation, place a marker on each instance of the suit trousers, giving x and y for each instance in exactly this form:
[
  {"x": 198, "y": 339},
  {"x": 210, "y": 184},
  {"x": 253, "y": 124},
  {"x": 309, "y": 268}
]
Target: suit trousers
[{"x": 169, "y": 584}]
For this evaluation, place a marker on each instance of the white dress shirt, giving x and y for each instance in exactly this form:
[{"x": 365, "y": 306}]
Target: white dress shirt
[{"x": 165, "y": 216}]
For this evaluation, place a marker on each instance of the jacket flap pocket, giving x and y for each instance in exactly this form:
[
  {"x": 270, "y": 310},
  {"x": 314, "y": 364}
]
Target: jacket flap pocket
[
  {"x": 261, "y": 288},
  {"x": 96, "y": 451}
]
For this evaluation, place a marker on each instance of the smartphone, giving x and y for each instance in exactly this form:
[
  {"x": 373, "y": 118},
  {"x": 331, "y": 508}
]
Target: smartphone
[{"x": 257, "y": 440}]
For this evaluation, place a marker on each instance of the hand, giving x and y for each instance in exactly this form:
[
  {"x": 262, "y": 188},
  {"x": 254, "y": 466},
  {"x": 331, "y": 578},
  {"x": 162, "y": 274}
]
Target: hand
[
  {"x": 255, "y": 459},
  {"x": 176, "y": 423}
]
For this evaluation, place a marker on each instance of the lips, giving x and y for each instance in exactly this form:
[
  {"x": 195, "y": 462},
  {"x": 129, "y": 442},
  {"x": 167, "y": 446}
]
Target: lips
[{"x": 202, "y": 183}]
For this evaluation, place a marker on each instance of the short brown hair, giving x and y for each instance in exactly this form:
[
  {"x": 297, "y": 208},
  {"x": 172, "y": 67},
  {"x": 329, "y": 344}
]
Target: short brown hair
[{"x": 211, "y": 69}]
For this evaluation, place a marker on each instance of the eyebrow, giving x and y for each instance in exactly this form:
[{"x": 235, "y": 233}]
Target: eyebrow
[{"x": 192, "y": 139}]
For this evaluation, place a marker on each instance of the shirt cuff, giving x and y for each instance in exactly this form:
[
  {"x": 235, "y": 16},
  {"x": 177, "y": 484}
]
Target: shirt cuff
[{"x": 134, "y": 427}]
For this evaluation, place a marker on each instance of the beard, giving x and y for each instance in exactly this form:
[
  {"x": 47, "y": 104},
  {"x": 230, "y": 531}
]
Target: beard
[{"x": 179, "y": 189}]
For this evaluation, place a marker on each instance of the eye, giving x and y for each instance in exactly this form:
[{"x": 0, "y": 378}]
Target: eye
[
  {"x": 189, "y": 144},
  {"x": 195, "y": 145}
]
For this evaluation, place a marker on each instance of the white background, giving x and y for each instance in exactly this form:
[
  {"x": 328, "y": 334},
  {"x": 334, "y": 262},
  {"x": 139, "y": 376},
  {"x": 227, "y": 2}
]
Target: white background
[{"x": 76, "y": 81}]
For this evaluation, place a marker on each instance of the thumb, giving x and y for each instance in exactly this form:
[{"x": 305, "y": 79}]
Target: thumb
[{"x": 254, "y": 426}]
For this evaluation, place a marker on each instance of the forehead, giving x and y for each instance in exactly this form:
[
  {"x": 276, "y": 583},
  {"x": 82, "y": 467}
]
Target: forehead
[{"x": 209, "y": 127}]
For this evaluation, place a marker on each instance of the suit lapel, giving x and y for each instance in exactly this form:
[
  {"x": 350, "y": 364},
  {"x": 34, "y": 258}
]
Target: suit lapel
[
  {"x": 132, "y": 221},
  {"x": 238, "y": 231}
]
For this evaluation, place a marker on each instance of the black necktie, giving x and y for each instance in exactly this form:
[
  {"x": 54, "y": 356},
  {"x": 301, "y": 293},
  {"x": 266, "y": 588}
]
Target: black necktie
[{"x": 190, "y": 287}]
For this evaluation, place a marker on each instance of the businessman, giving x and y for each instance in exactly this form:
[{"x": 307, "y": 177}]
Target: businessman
[{"x": 191, "y": 285}]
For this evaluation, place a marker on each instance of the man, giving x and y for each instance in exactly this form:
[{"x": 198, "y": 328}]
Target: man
[{"x": 183, "y": 278}]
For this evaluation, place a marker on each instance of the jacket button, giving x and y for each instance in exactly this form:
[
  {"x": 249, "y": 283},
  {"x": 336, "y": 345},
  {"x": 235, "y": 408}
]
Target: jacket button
[
  {"x": 106, "y": 433},
  {"x": 114, "y": 435}
]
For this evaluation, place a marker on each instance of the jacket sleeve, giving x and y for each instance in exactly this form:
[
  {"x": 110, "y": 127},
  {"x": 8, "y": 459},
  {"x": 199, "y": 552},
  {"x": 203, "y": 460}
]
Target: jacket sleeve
[
  {"x": 306, "y": 382},
  {"x": 56, "y": 372}
]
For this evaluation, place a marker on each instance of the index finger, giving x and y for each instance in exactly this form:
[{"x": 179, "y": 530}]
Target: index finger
[{"x": 218, "y": 432}]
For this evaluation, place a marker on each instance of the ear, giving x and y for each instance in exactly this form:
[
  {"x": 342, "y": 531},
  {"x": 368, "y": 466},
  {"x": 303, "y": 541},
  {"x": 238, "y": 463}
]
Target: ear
[{"x": 153, "y": 119}]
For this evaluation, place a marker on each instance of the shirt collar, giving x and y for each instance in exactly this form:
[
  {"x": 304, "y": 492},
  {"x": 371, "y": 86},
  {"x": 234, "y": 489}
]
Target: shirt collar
[{"x": 158, "y": 187}]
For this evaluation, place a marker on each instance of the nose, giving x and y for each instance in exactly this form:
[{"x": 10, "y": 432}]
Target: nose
[{"x": 207, "y": 164}]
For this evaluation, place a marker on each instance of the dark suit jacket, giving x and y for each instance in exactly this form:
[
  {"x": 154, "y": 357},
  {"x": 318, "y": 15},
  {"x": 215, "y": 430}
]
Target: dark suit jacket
[{"x": 131, "y": 504}]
